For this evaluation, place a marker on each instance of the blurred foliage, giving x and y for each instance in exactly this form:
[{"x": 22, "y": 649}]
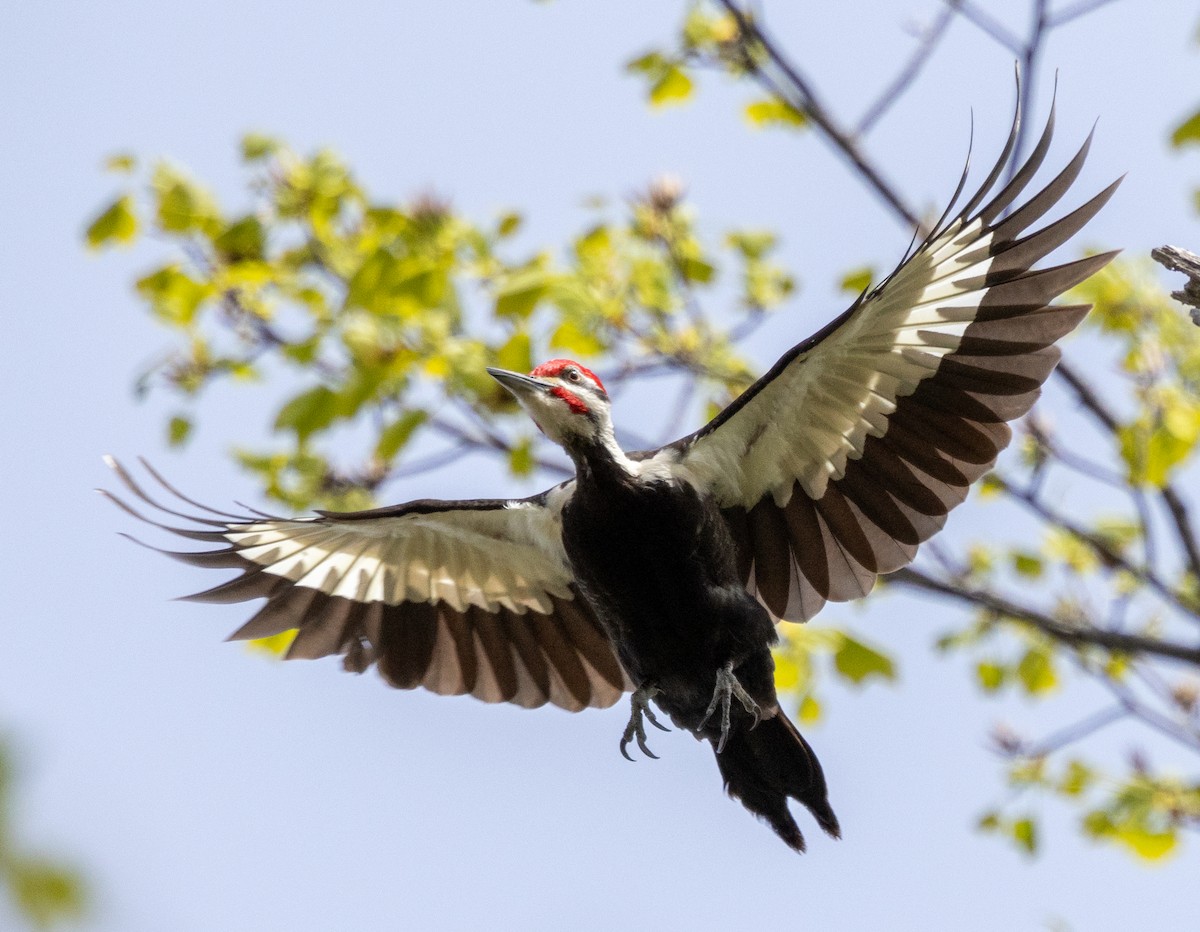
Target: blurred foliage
[
  {"x": 41, "y": 891},
  {"x": 389, "y": 313},
  {"x": 382, "y": 316}
]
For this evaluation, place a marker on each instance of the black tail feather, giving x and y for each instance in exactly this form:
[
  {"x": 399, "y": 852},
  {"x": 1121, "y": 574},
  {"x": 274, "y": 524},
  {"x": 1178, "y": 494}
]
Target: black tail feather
[{"x": 765, "y": 765}]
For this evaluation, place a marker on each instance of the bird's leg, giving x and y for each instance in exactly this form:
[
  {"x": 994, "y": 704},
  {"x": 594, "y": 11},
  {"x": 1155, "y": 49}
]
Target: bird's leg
[
  {"x": 639, "y": 704},
  {"x": 726, "y": 690}
]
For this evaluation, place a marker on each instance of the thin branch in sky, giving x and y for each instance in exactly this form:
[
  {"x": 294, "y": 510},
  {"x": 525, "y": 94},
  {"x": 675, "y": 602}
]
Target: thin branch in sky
[{"x": 926, "y": 45}]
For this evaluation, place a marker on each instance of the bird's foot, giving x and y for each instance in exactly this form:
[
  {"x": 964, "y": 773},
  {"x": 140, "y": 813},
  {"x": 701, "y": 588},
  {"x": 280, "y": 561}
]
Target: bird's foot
[
  {"x": 728, "y": 688},
  {"x": 640, "y": 709}
]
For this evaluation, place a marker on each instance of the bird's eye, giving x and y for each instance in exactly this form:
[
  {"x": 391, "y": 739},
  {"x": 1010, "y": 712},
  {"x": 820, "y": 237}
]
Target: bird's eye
[{"x": 573, "y": 375}]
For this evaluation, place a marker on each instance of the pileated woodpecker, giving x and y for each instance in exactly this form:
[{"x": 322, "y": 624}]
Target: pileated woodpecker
[{"x": 664, "y": 572}]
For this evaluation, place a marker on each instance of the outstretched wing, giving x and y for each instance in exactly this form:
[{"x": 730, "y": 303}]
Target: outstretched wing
[
  {"x": 458, "y": 597},
  {"x": 849, "y": 453}
]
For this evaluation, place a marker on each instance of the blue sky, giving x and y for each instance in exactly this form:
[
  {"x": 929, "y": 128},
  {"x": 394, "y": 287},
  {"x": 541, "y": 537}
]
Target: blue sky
[{"x": 204, "y": 788}]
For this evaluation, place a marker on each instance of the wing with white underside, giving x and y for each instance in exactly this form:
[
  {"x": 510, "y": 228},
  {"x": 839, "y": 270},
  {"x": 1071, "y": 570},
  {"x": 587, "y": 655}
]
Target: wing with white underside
[
  {"x": 849, "y": 453},
  {"x": 457, "y": 597}
]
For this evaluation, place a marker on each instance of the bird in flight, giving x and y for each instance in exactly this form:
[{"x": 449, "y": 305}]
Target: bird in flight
[{"x": 664, "y": 573}]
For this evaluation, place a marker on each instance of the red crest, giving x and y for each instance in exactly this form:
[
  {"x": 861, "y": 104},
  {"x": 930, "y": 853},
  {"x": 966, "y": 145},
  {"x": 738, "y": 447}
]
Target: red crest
[{"x": 555, "y": 367}]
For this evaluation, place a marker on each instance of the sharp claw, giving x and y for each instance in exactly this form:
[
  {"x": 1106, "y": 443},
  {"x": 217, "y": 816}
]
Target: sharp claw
[
  {"x": 636, "y": 729},
  {"x": 654, "y": 721}
]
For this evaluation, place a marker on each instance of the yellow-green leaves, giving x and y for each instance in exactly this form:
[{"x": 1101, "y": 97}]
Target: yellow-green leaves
[
  {"x": 667, "y": 78},
  {"x": 1035, "y": 671},
  {"x": 522, "y": 290},
  {"x": 765, "y": 284},
  {"x": 44, "y": 892},
  {"x": 856, "y": 281},
  {"x": 183, "y": 206},
  {"x": 308, "y": 412},
  {"x": 1145, "y": 814},
  {"x": 520, "y": 457},
  {"x": 394, "y": 437},
  {"x": 774, "y": 112},
  {"x": 858, "y": 662},
  {"x": 179, "y": 428},
  {"x": 798, "y": 673},
  {"x": 117, "y": 223},
  {"x": 1187, "y": 132},
  {"x": 392, "y": 311},
  {"x": 173, "y": 294},
  {"x": 1163, "y": 437},
  {"x": 121, "y": 163},
  {"x": 257, "y": 147}
]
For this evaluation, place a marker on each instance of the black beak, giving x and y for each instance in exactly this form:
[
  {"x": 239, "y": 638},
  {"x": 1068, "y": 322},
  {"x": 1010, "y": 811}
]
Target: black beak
[{"x": 516, "y": 383}]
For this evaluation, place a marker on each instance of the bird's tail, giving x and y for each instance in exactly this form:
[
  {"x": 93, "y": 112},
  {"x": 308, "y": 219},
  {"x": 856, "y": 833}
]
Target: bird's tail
[{"x": 765, "y": 765}]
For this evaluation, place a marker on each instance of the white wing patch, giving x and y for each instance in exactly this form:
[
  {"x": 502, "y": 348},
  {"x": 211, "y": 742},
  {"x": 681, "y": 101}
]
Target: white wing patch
[
  {"x": 509, "y": 557},
  {"x": 846, "y": 392}
]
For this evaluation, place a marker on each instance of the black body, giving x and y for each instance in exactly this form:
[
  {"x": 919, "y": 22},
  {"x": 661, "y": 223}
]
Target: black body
[{"x": 656, "y": 562}]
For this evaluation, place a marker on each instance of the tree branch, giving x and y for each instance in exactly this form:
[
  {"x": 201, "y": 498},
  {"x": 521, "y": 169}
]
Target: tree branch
[
  {"x": 804, "y": 99},
  {"x": 1075, "y": 635},
  {"x": 927, "y": 42}
]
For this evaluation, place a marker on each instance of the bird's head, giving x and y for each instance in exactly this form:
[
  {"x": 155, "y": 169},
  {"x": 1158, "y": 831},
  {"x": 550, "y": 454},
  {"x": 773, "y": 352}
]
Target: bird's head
[{"x": 567, "y": 401}]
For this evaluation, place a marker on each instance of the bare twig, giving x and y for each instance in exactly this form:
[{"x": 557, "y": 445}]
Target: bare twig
[
  {"x": 1180, "y": 515},
  {"x": 990, "y": 26},
  {"x": 1101, "y": 547},
  {"x": 1074, "y": 635},
  {"x": 927, "y": 43},
  {"x": 796, "y": 89},
  {"x": 1076, "y": 732}
]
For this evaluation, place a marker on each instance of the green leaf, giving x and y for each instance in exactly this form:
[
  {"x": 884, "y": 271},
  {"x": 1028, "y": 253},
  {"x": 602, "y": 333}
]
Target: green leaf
[
  {"x": 752, "y": 244},
  {"x": 508, "y": 225},
  {"x": 179, "y": 428},
  {"x": 669, "y": 82},
  {"x": 696, "y": 270},
  {"x": 520, "y": 294},
  {"x": 174, "y": 296},
  {"x": 520, "y": 457},
  {"x": 276, "y": 645},
  {"x": 1148, "y": 845},
  {"x": 517, "y": 354},
  {"x": 256, "y": 147},
  {"x": 1024, "y": 833},
  {"x": 809, "y": 712},
  {"x": 122, "y": 163},
  {"x": 1027, "y": 564},
  {"x": 673, "y": 87},
  {"x": 856, "y": 281},
  {"x": 242, "y": 240},
  {"x": 991, "y": 676},
  {"x": 773, "y": 112},
  {"x": 568, "y": 336},
  {"x": 1036, "y": 671},
  {"x": 856, "y": 661},
  {"x": 1076, "y": 780},
  {"x": 308, "y": 412},
  {"x": 397, "y": 434},
  {"x": 1154, "y": 446},
  {"x": 45, "y": 892},
  {"x": 183, "y": 206},
  {"x": 117, "y": 223},
  {"x": 1187, "y": 132}
]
